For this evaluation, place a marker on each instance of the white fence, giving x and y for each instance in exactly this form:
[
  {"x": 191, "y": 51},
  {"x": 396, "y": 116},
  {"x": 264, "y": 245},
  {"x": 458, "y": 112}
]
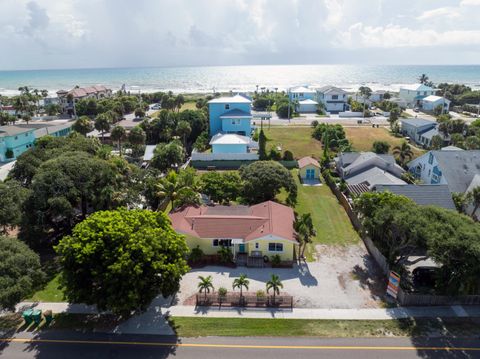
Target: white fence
[{"x": 350, "y": 114}]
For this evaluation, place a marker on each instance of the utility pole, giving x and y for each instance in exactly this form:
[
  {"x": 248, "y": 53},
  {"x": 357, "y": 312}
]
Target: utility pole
[{"x": 288, "y": 94}]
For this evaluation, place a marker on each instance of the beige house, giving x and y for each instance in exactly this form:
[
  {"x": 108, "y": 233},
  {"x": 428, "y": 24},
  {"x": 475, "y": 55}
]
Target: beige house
[{"x": 309, "y": 169}]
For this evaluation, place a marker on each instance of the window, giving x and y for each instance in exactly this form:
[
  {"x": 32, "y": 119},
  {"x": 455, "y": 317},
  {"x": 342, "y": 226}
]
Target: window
[
  {"x": 334, "y": 97},
  {"x": 430, "y": 158},
  {"x": 429, "y": 171},
  {"x": 275, "y": 247},
  {"x": 222, "y": 243},
  {"x": 301, "y": 94},
  {"x": 16, "y": 137},
  {"x": 26, "y": 135},
  {"x": 425, "y": 93},
  {"x": 236, "y": 121},
  {"x": 434, "y": 177},
  {"x": 227, "y": 106},
  {"x": 256, "y": 245}
]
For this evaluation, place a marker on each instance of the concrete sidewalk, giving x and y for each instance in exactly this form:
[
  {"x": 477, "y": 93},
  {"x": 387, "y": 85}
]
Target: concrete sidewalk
[{"x": 295, "y": 313}]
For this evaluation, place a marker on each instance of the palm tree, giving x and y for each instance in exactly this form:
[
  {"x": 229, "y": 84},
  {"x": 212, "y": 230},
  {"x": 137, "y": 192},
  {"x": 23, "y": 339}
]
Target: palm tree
[
  {"x": 102, "y": 124},
  {"x": 275, "y": 284},
  {"x": 423, "y": 79},
  {"x": 205, "y": 285},
  {"x": 176, "y": 186},
  {"x": 241, "y": 282},
  {"x": 403, "y": 152},
  {"x": 183, "y": 130},
  {"x": 179, "y": 101},
  {"x": 118, "y": 134},
  {"x": 305, "y": 231}
]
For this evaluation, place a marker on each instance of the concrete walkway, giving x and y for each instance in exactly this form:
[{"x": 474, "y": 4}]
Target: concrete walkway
[{"x": 296, "y": 313}]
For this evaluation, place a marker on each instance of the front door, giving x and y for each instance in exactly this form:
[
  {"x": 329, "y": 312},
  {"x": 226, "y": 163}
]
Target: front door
[
  {"x": 241, "y": 248},
  {"x": 310, "y": 173}
]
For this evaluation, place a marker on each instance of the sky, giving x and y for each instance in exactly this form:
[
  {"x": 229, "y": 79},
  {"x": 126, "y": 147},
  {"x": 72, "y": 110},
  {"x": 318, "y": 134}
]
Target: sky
[{"x": 49, "y": 34}]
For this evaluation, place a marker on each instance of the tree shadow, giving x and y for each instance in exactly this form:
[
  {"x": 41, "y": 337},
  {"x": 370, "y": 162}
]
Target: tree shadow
[
  {"x": 370, "y": 277},
  {"x": 443, "y": 337},
  {"x": 54, "y": 344}
]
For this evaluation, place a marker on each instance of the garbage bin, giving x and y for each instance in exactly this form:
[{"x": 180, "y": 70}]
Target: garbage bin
[
  {"x": 27, "y": 316},
  {"x": 37, "y": 316},
  {"x": 48, "y": 316}
]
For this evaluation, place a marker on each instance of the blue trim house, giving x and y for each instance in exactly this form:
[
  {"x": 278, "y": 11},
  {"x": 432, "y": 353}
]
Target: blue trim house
[
  {"x": 230, "y": 115},
  {"x": 16, "y": 139}
]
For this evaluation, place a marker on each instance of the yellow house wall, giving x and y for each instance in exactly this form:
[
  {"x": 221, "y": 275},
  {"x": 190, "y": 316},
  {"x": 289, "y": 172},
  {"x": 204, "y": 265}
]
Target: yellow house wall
[
  {"x": 303, "y": 171},
  {"x": 204, "y": 244},
  {"x": 286, "y": 255}
]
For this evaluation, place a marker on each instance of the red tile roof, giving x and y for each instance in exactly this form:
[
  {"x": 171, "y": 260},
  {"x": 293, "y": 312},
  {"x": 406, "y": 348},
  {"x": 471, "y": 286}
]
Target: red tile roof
[
  {"x": 240, "y": 222},
  {"x": 305, "y": 161}
]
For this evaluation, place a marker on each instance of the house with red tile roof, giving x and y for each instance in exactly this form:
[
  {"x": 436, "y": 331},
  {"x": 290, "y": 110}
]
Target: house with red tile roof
[
  {"x": 253, "y": 233},
  {"x": 67, "y": 98}
]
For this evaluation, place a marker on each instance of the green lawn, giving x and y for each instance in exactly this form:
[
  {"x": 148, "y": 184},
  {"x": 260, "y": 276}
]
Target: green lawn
[
  {"x": 362, "y": 138},
  {"x": 51, "y": 292},
  {"x": 299, "y": 140},
  {"x": 198, "y": 327},
  {"x": 331, "y": 222},
  {"x": 202, "y": 327}
]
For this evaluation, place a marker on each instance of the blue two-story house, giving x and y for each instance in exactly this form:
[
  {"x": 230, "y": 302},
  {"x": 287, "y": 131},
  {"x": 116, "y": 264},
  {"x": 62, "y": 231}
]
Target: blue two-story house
[
  {"x": 230, "y": 115},
  {"x": 14, "y": 141}
]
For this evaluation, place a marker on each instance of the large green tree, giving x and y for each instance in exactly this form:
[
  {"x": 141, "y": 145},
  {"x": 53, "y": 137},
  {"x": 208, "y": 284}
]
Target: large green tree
[
  {"x": 120, "y": 260},
  {"x": 167, "y": 156},
  {"x": 20, "y": 271},
  {"x": 263, "y": 180},
  {"x": 221, "y": 187},
  {"x": 12, "y": 196},
  {"x": 83, "y": 125},
  {"x": 64, "y": 190}
]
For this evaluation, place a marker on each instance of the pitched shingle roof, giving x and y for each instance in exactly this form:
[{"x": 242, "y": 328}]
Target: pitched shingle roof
[
  {"x": 426, "y": 195},
  {"x": 305, "y": 161},
  {"x": 458, "y": 167},
  {"x": 239, "y": 222}
]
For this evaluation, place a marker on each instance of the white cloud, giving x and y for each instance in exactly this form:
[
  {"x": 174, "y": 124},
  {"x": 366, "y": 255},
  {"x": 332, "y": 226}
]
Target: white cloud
[
  {"x": 470, "y": 3},
  {"x": 99, "y": 33},
  {"x": 445, "y": 12},
  {"x": 392, "y": 36}
]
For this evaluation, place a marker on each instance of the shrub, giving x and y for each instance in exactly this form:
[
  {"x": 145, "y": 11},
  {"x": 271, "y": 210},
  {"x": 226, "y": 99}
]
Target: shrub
[
  {"x": 288, "y": 156},
  {"x": 261, "y": 294},
  {"x": 282, "y": 110},
  {"x": 276, "y": 260},
  {"x": 314, "y": 123},
  {"x": 222, "y": 292},
  {"x": 195, "y": 255},
  {"x": 274, "y": 155},
  {"x": 226, "y": 255},
  {"x": 9, "y": 153}
]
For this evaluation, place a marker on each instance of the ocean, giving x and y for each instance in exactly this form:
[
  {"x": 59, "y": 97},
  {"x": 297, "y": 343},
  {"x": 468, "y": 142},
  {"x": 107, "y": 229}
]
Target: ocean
[{"x": 238, "y": 78}]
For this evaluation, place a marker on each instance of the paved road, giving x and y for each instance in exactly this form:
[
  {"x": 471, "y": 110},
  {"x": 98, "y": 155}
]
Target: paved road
[{"x": 72, "y": 345}]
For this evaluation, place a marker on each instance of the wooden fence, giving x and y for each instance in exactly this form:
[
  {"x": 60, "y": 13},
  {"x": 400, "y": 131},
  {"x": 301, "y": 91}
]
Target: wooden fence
[{"x": 234, "y": 300}]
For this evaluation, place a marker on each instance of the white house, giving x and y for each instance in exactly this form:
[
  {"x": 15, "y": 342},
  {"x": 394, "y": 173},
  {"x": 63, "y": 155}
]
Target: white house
[
  {"x": 333, "y": 98},
  {"x": 414, "y": 94},
  {"x": 430, "y": 103},
  {"x": 306, "y": 106},
  {"x": 301, "y": 93}
]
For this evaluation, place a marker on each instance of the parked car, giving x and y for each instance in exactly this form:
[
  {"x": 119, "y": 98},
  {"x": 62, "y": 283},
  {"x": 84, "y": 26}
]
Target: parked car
[
  {"x": 416, "y": 109},
  {"x": 155, "y": 106}
]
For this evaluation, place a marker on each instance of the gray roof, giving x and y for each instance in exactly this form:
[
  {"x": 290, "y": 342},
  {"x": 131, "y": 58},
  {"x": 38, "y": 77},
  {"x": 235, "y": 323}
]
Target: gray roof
[
  {"x": 430, "y": 133},
  {"x": 235, "y": 113},
  {"x": 329, "y": 88},
  {"x": 374, "y": 176},
  {"x": 424, "y": 195},
  {"x": 458, "y": 167},
  {"x": 13, "y": 130},
  {"x": 352, "y": 163},
  {"x": 417, "y": 122}
]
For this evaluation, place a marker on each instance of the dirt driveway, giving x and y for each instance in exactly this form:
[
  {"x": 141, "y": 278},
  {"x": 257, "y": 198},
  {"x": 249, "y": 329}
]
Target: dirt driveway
[{"x": 342, "y": 277}]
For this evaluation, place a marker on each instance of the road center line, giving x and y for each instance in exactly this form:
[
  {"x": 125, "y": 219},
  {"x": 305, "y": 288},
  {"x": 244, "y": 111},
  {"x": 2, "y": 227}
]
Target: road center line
[{"x": 237, "y": 346}]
